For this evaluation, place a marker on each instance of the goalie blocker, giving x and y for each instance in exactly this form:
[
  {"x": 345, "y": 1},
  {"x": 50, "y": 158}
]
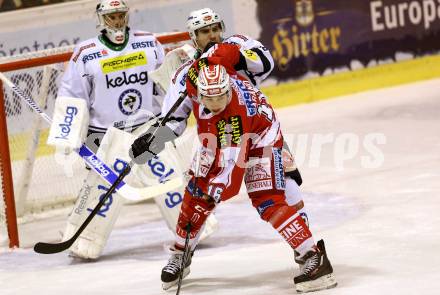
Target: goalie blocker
[{"x": 69, "y": 123}]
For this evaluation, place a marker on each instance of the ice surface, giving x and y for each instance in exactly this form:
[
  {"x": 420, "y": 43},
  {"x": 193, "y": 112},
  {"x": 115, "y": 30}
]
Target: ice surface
[{"x": 377, "y": 209}]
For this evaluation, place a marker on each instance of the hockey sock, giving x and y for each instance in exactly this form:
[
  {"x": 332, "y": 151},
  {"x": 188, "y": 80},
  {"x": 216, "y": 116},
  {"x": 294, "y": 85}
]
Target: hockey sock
[
  {"x": 294, "y": 198},
  {"x": 293, "y": 229}
]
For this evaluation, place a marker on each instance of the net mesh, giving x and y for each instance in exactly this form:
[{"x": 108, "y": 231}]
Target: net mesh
[
  {"x": 3, "y": 230},
  {"x": 34, "y": 168},
  {"x": 42, "y": 183}
]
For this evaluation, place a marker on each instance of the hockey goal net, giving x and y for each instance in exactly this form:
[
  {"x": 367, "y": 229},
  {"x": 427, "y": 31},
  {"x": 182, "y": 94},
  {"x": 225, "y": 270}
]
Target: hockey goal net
[{"x": 32, "y": 184}]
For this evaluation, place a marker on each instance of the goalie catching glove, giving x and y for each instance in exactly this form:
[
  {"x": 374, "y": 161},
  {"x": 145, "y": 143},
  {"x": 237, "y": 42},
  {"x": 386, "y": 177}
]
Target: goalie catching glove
[{"x": 151, "y": 143}]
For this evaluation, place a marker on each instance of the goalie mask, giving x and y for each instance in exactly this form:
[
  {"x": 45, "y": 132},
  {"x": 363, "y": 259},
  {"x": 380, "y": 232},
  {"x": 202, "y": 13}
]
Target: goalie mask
[
  {"x": 214, "y": 88},
  {"x": 113, "y": 19},
  {"x": 202, "y": 18}
]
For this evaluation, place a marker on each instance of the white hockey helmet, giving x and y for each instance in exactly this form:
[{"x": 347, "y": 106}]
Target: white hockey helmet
[
  {"x": 213, "y": 80},
  {"x": 113, "y": 29},
  {"x": 201, "y": 18}
]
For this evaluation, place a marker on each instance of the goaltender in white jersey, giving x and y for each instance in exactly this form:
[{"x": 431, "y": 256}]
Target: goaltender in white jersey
[
  {"x": 113, "y": 79},
  {"x": 111, "y": 74}
]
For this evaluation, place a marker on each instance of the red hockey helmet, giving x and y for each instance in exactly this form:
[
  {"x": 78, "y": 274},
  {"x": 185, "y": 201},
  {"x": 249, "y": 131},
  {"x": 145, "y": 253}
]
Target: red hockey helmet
[{"x": 213, "y": 85}]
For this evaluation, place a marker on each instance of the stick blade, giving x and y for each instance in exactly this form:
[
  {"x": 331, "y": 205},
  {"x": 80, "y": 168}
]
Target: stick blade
[{"x": 48, "y": 248}]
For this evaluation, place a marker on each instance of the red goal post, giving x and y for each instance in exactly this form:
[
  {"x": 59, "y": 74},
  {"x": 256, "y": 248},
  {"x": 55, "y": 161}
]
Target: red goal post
[{"x": 19, "y": 162}]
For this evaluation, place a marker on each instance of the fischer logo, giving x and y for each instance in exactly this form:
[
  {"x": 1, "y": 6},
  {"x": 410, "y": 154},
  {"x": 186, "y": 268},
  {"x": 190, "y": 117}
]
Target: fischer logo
[
  {"x": 98, "y": 165},
  {"x": 68, "y": 119}
]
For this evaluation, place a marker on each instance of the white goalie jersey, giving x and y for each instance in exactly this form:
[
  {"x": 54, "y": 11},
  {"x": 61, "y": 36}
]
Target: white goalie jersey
[{"x": 114, "y": 80}]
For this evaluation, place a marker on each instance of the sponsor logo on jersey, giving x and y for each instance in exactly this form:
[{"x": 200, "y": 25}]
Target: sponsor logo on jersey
[
  {"x": 229, "y": 132},
  {"x": 260, "y": 185},
  {"x": 75, "y": 58},
  {"x": 123, "y": 62},
  {"x": 71, "y": 112},
  {"x": 247, "y": 94},
  {"x": 205, "y": 161},
  {"x": 280, "y": 183},
  {"x": 130, "y": 101},
  {"x": 250, "y": 54},
  {"x": 179, "y": 70},
  {"x": 141, "y": 78},
  {"x": 94, "y": 55},
  {"x": 193, "y": 72},
  {"x": 143, "y": 44},
  {"x": 259, "y": 175}
]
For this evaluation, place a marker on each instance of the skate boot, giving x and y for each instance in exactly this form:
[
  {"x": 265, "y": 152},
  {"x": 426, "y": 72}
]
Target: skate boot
[
  {"x": 317, "y": 272},
  {"x": 171, "y": 271},
  {"x": 299, "y": 260}
]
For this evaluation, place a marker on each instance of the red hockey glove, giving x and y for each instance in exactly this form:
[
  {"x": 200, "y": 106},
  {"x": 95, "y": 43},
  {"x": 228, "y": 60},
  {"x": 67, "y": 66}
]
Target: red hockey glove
[
  {"x": 227, "y": 55},
  {"x": 194, "y": 210}
]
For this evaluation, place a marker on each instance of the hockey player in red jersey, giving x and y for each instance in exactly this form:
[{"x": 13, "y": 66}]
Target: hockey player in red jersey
[
  {"x": 253, "y": 62},
  {"x": 240, "y": 138}
]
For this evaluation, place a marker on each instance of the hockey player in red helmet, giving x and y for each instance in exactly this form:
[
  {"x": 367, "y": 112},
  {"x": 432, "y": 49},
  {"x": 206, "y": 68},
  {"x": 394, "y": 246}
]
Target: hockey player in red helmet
[{"x": 240, "y": 139}]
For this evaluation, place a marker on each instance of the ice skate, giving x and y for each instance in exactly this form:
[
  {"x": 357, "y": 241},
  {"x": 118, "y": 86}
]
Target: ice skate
[
  {"x": 171, "y": 271},
  {"x": 317, "y": 272}
]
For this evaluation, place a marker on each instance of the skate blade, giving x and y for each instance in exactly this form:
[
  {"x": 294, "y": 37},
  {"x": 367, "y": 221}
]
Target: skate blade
[
  {"x": 166, "y": 286},
  {"x": 324, "y": 282}
]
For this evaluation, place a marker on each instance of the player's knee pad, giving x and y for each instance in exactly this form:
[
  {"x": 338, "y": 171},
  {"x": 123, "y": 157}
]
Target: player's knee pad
[
  {"x": 194, "y": 211},
  {"x": 292, "y": 192},
  {"x": 266, "y": 205}
]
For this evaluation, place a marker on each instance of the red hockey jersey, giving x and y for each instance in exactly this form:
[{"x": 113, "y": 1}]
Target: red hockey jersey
[{"x": 247, "y": 128}]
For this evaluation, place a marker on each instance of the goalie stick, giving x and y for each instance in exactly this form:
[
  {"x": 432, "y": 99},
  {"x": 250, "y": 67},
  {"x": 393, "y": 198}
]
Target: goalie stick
[
  {"x": 51, "y": 248},
  {"x": 126, "y": 191}
]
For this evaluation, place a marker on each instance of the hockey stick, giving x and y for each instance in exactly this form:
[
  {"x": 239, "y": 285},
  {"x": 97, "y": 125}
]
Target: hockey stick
[
  {"x": 49, "y": 248},
  {"x": 184, "y": 258},
  {"x": 126, "y": 191}
]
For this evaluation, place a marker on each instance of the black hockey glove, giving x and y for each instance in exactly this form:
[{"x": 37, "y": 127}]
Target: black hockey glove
[{"x": 150, "y": 143}]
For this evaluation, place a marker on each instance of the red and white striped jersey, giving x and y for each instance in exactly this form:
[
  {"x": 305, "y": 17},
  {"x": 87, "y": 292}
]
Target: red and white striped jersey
[{"x": 248, "y": 123}]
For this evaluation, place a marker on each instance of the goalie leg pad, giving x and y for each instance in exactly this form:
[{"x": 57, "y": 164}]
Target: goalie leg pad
[
  {"x": 92, "y": 240},
  {"x": 168, "y": 165}
]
